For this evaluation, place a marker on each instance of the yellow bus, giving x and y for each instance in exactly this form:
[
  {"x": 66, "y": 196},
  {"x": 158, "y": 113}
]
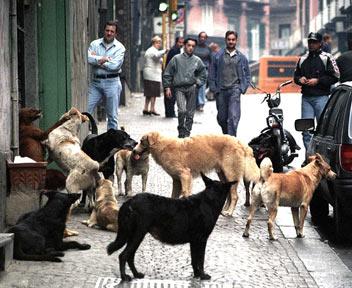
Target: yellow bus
[{"x": 270, "y": 71}]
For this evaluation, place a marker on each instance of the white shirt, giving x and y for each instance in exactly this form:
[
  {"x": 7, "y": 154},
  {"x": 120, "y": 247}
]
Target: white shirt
[{"x": 152, "y": 65}]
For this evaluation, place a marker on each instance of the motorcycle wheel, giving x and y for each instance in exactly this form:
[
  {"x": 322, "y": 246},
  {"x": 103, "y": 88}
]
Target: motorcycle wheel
[{"x": 277, "y": 159}]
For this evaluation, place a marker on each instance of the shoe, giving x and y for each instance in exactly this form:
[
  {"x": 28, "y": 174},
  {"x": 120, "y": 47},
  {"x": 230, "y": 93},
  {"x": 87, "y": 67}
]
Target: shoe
[
  {"x": 154, "y": 113},
  {"x": 146, "y": 112}
]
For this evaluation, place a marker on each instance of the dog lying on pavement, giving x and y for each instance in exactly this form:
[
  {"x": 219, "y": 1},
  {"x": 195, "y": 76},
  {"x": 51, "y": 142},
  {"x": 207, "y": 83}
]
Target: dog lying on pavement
[
  {"x": 132, "y": 164},
  {"x": 186, "y": 158},
  {"x": 172, "y": 221},
  {"x": 105, "y": 211},
  {"x": 294, "y": 189},
  {"x": 39, "y": 234}
]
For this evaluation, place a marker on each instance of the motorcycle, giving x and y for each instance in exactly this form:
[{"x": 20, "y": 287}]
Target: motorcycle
[{"x": 274, "y": 141}]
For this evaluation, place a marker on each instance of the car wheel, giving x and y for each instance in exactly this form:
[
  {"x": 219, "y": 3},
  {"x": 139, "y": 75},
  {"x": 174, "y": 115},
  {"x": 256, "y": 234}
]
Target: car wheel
[
  {"x": 319, "y": 208},
  {"x": 342, "y": 227}
]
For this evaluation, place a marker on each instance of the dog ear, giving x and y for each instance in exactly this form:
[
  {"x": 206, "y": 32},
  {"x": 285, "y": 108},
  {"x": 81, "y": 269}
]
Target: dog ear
[{"x": 207, "y": 181}]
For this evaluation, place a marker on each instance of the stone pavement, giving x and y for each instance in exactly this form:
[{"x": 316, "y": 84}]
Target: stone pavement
[{"x": 231, "y": 260}]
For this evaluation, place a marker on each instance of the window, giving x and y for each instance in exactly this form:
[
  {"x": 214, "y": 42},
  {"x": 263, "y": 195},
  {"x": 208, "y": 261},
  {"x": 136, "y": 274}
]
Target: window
[{"x": 284, "y": 30}]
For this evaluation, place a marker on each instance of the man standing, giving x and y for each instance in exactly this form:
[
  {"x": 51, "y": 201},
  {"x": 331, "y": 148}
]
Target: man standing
[
  {"x": 106, "y": 56},
  {"x": 170, "y": 102},
  {"x": 185, "y": 73},
  {"x": 344, "y": 62},
  {"x": 316, "y": 71},
  {"x": 203, "y": 51},
  {"x": 229, "y": 78}
]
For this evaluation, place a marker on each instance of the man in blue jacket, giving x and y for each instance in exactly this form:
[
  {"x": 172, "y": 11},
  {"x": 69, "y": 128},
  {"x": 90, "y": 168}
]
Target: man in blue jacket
[{"x": 229, "y": 78}]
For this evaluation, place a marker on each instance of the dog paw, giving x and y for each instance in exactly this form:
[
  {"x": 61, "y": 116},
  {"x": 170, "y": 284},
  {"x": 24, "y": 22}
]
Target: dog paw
[
  {"x": 139, "y": 275},
  {"x": 226, "y": 213},
  {"x": 299, "y": 235},
  {"x": 205, "y": 276},
  {"x": 55, "y": 259},
  {"x": 247, "y": 204},
  {"x": 245, "y": 234},
  {"x": 57, "y": 254},
  {"x": 126, "y": 278},
  {"x": 84, "y": 247},
  {"x": 272, "y": 238}
]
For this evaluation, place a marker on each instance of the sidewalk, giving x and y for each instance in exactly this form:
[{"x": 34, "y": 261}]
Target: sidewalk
[{"x": 231, "y": 260}]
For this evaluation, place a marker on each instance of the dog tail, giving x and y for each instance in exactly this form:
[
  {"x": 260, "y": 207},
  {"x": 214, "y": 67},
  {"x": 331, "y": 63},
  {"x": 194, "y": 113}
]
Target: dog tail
[
  {"x": 93, "y": 124},
  {"x": 125, "y": 224},
  {"x": 266, "y": 169}
]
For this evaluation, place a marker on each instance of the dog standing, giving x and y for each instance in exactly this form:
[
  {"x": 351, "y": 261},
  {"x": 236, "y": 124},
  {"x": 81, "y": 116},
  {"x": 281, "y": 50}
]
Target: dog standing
[
  {"x": 39, "y": 234},
  {"x": 172, "y": 221},
  {"x": 294, "y": 189},
  {"x": 186, "y": 158},
  {"x": 132, "y": 164},
  {"x": 106, "y": 209}
]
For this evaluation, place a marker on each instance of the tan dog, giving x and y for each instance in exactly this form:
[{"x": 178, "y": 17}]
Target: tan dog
[
  {"x": 185, "y": 158},
  {"x": 106, "y": 209},
  {"x": 294, "y": 189},
  {"x": 65, "y": 149},
  {"x": 132, "y": 164}
]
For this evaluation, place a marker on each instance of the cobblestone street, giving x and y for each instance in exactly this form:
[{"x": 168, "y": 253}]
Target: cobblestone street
[{"x": 231, "y": 260}]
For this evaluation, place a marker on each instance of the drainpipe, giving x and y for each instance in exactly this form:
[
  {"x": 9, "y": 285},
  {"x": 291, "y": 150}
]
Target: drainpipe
[{"x": 14, "y": 77}]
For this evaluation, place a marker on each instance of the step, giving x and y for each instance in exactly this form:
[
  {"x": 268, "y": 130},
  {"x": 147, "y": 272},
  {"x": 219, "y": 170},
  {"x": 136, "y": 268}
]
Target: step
[{"x": 6, "y": 250}]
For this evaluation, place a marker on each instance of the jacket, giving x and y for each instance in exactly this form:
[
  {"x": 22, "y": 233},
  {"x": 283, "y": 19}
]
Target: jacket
[
  {"x": 320, "y": 65},
  {"x": 344, "y": 62},
  {"x": 217, "y": 65},
  {"x": 152, "y": 65},
  {"x": 183, "y": 71}
]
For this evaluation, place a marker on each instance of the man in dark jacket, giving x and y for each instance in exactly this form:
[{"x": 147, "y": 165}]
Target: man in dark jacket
[
  {"x": 170, "y": 102},
  {"x": 344, "y": 62},
  {"x": 316, "y": 71},
  {"x": 229, "y": 77}
]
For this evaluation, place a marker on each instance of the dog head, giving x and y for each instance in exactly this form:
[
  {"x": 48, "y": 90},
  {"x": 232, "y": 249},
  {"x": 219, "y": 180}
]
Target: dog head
[
  {"x": 74, "y": 113},
  {"x": 60, "y": 203},
  {"x": 104, "y": 189},
  {"x": 27, "y": 115},
  {"x": 120, "y": 139},
  {"x": 323, "y": 166},
  {"x": 147, "y": 141},
  {"x": 216, "y": 186}
]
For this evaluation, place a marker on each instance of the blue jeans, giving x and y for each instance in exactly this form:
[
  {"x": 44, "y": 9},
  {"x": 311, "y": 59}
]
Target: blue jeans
[
  {"x": 312, "y": 107},
  {"x": 111, "y": 90},
  {"x": 201, "y": 96},
  {"x": 228, "y": 103}
]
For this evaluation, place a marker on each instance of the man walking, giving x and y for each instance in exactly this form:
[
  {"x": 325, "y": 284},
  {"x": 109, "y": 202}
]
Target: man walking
[
  {"x": 344, "y": 62},
  {"x": 316, "y": 71},
  {"x": 170, "y": 102},
  {"x": 203, "y": 51},
  {"x": 106, "y": 56},
  {"x": 185, "y": 73},
  {"x": 229, "y": 78}
]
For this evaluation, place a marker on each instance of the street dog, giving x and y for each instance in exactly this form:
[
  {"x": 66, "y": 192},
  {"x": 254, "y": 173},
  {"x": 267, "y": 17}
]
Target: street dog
[
  {"x": 294, "y": 189},
  {"x": 185, "y": 158},
  {"x": 39, "y": 234},
  {"x": 132, "y": 164},
  {"x": 64, "y": 147},
  {"x": 172, "y": 221},
  {"x": 31, "y": 137},
  {"x": 98, "y": 147},
  {"x": 105, "y": 211}
]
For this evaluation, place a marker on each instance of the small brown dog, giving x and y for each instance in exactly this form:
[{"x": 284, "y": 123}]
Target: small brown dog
[
  {"x": 133, "y": 164},
  {"x": 31, "y": 137},
  {"x": 294, "y": 189},
  {"x": 106, "y": 209}
]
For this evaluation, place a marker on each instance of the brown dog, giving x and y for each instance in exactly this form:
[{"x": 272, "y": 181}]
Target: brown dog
[
  {"x": 185, "y": 158},
  {"x": 31, "y": 137},
  {"x": 132, "y": 164},
  {"x": 106, "y": 209},
  {"x": 294, "y": 189}
]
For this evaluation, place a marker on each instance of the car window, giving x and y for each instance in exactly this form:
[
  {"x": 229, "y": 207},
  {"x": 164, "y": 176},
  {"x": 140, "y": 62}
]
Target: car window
[{"x": 333, "y": 112}]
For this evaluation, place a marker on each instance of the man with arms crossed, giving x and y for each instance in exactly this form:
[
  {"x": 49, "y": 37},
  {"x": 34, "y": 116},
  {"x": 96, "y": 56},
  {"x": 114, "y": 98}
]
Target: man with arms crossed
[{"x": 106, "y": 56}]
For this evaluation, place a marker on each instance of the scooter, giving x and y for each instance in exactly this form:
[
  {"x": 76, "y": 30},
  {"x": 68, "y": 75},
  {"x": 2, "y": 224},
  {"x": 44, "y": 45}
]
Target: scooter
[{"x": 274, "y": 141}]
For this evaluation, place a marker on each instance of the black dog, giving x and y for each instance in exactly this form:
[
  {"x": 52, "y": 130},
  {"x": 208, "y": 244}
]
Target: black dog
[
  {"x": 39, "y": 234},
  {"x": 98, "y": 147},
  {"x": 172, "y": 221}
]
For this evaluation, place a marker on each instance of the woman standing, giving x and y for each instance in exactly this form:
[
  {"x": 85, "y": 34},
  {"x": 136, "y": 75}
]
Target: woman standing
[{"x": 152, "y": 75}]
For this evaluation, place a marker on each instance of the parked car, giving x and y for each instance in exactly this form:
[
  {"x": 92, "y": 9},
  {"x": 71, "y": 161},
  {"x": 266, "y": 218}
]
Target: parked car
[{"x": 333, "y": 140}]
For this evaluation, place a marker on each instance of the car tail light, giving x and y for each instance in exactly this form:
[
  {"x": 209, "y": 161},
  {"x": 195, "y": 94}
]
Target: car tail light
[{"x": 346, "y": 157}]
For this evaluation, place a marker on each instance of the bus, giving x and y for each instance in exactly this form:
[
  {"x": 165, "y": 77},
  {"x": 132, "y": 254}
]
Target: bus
[{"x": 270, "y": 71}]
